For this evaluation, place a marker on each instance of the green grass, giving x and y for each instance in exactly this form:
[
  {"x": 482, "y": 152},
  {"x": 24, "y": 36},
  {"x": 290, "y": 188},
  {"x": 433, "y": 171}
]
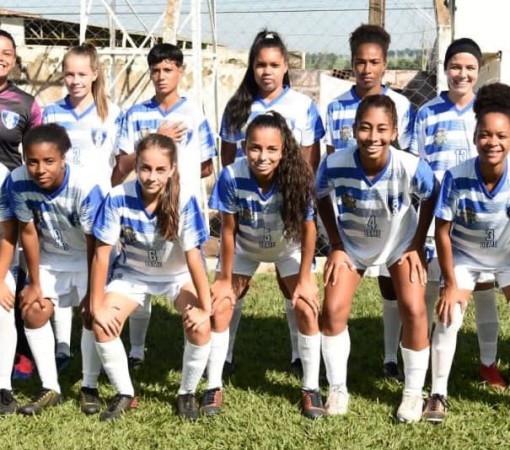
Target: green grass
[{"x": 262, "y": 401}]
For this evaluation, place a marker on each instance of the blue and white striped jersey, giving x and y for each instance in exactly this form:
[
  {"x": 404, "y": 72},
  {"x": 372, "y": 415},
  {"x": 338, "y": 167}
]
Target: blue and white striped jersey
[
  {"x": 93, "y": 141},
  {"x": 480, "y": 232},
  {"x": 197, "y": 146},
  {"x": 62, "y": 218},
  {"x": 260, "y": 225},
  {"x": 342, "y": 112},
  {"x": 6, "y": 212},
  {"x": 299, "y": 110},
  {"x": 376, "y": 218},
  {"x": 144, "y": 253},
  {"x": 443, "y": 134}
]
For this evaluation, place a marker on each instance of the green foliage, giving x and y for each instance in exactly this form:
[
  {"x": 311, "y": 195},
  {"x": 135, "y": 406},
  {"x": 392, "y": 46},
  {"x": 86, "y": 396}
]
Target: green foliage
[{"x": 262, "y": 400}]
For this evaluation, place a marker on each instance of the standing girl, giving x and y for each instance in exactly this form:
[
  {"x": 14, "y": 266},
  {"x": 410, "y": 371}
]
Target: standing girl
[
  {"x": 377, "y": 225},
  {"x": 266, "y": 86},
  {"x": 266, "y": 205},
  {"x": 92, "y": 123},
  {"x": 55, "y": 206},
  {"x": 472, "y": 232},
  {"x": 160, "y": 234},
  {"x": 369, "y": 52},
  {"x": 443, "y": 136}
]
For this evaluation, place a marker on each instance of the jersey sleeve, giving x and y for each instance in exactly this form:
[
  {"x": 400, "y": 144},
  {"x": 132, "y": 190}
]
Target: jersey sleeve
[
  {"x": 35, "y": 115},
  {"x": 328, "y": 137},
  {"x": 314, "y": 131},
  {"x": 207, "y": 142},
  {"x": 126, "y": 135},
  {"x": 6, "y": 210},
  {"x": 424, "y": 180},
  {"x": 324, "y": 184},
  {"x": 226, "y": 133},
  {"x": 89, "y": 207},
  {"x": 107, "y": 224},
  {"x": 18, "y": 198},
  {"x": 405, "y": 127},
  {"x": 418, "y": 135},
  {"x": 223, "y": 196},
  {"x": 192, "y": 230},
  {"x": 446, "y": 202}
]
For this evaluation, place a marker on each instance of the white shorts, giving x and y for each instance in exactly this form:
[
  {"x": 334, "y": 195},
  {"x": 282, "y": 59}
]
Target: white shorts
[
  {"x": 140, "y": 291},
  {"x": 377, "y": 271},
  {"x": 434, "y": 271},
  {"x": 288, "y": 264},
  {"x": 64, "y": 289},
  {"x": 467, "y": 277},
  {"x": 10, "y": 282}
]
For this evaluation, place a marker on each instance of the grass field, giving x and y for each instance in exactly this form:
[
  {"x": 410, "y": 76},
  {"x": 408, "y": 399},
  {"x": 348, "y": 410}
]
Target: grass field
[{"x": 262, "y": 401}]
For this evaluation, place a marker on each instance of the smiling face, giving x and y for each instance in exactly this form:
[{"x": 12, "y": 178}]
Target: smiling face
[
  {"x": 269, "y": 68},
  {"x": 79, "y": 77},
  {"x": 7, "y": 59},
  {"x": 153, "y": 169},
  {"x": 492, "y": 139},
  {"x": 264, "y": 151},
  {"x": 368, "y": 65},
  {"x": 462, "y": 74},
  {"x": 374, "y": 133},
  {"x": 46, "y": 165},
  {"x": 165, "y": 77}
]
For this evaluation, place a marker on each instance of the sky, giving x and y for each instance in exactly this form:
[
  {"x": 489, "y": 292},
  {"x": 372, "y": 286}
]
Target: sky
[{"x": 306, "y": 25}]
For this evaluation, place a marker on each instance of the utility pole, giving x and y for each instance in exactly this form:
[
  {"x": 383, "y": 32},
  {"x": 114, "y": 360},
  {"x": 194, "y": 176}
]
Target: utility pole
[
  {"x": 173, "y": 9},
  {"x": 376, "y": 12}
]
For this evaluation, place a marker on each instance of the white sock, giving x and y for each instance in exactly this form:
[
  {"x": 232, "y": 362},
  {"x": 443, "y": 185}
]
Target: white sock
[
  {"x": 392, "y": 327},
  {"x": 114, "y": 359},
  {"x": 8, "y": 338},
  {"x": 138, "y": 326},
  {"x": 42, "y": 344},
  {"x": 416, "y": 363},
  {"x": 233, "y": 327},
  {"x": 431, "y": 296},
  {"x": 310, "y": 351},
  {"x": 444, "y": 342},
  {"x": 219, "y": 347},
  {"x": 194, "y": 361},
  {"x": 293, "y": 329},
  {"x": 487, "y": 325},
  {"x": 335, "y": 351},
  {"x": 62, "y": 326},
  {"x": 90, "y": 361}
]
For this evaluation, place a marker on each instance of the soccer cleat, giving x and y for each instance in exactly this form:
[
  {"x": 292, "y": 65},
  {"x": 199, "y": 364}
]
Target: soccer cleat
[
  {"x": 410, "y": 409},
  {"x": 187, "y": 406},
  {"x": 338, "y": 401},
  {"x": 63, "y": 361},
  {"x": 492, "y": 376},
  {"x": 135, "y": 364},
  {"x": 436, "y": 408},
  {"x": 8, "y": 403},
  {"x": 212, "y": 402},
  {"x": 23, "y": 369},
  {"x": 119, "y": 405},
  {"x": 45, "y": 399},
  {"x": 392, "y": 371},
  {"x": 296, "y": 368},
  {"x": 311, "y": 404},
  {"x": 90, "y": 403}
]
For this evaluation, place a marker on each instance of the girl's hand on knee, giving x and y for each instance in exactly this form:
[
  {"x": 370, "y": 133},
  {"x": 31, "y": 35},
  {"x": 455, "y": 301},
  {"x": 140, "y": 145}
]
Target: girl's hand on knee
[
  {"x": 6, "y": 297},
  {"x": 337, "y": 259},
  {"x": 220, "y": 290},
  {"x": 28, "y": 296},
  {"x": 193, "y": 318},
  {"x": 446, "y": 306},
  {"x": 107, "y": 319},
  {"x": 309, "y": 293},
  {"x": 417, "y": 268}
]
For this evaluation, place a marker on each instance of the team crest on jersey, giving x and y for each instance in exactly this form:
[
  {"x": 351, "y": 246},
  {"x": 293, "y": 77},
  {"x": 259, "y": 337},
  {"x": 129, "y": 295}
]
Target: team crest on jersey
[
  {"x": 10, "y": 119},
  {"x": 468, "y": 215},
  {"x": 440, "y": 137},
  {"x": 245, "y": 214},
  {"x": 348, "y": 201},
  {"x": 128, "y": 234},
  {"x": 98, "y": 136},
  {"x": 394, "y": 204},
  {"x": 74, "y": 219},
  {"x": 346, "y": 133}
]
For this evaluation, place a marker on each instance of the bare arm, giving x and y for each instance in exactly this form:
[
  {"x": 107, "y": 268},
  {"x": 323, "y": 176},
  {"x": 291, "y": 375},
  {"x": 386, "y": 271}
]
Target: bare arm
[
  {"x": 30, "y": 243},
  {"x": 330, "y": 149},
  {"x": 206, "y": 168},
  {"x": 228, "y": 153},
  {"x": 312, "y": 155},
  {"x": 7, "y": 248},
  {"x": 98, "y": 274},
  {"x": 124, "y": 166}
]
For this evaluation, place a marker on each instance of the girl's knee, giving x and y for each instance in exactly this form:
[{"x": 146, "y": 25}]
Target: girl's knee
[{"x": 37, "y": 315}]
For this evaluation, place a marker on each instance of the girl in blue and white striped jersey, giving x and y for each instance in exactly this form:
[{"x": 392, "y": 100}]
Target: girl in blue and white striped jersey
[
  {"x": 265, "y": 201},
  {"x": 55, "y": 206},
  {"x": 8, "y": 334},
  {"x": 472, "y": 232},
  {"x": 160, "y": 234},
  {"x": 377, "y": 225}
]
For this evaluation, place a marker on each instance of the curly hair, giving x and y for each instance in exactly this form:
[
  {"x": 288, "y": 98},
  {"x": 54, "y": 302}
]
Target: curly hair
[
  {"x": 370, "y": 34},
  {"x": 51, "y": 133},
  {"x": 294, "y": 176},
  {"x": 494, "y": 97},
  {"x": 238, "y": 107},
  {"x": 167, "y": 209}
]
